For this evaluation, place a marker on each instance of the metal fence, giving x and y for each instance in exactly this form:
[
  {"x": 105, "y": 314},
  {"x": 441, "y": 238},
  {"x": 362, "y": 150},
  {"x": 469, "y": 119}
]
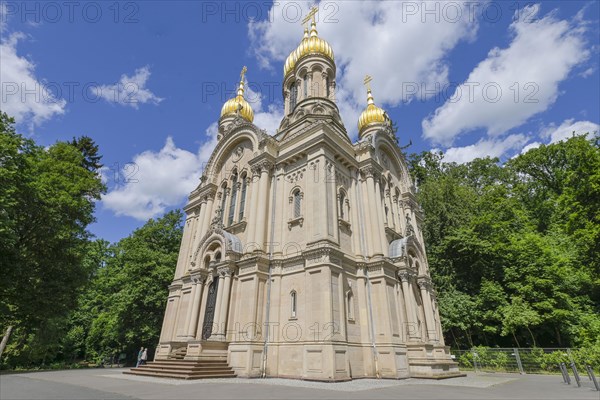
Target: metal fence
[
  {"x": 530, "y": 360},
  {"x": 519, "y": 360}
]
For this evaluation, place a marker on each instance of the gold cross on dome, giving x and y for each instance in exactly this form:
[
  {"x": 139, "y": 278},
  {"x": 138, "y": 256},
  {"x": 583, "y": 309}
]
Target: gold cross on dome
[
  {"x": 310, "y": 15},
  {"x": 243, "y": 73},
  {"x": 367, "y": 82}
]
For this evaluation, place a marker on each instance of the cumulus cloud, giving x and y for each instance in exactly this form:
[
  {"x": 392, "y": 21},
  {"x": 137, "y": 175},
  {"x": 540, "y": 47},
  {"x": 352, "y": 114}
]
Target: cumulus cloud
[
  {"x": 485, "y": 148},
  {"x": 155, "y": 181},
  {"x": 514, "y": 83},
  {"x": 130, "y": 90},
  {"x": 402, "y": 50},
  {"x": 267, "y": 118},
  {"x": 567, "y": 129},
  {"x": 24, "y": 96}
]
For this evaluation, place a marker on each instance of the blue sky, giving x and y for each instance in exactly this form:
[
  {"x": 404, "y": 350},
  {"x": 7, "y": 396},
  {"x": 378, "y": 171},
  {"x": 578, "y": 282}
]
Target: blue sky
[{"x": 181, "y": 60}]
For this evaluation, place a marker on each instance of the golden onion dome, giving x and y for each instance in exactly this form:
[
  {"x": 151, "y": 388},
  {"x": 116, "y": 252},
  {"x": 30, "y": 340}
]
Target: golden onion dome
[
  {"x": 238, "y": 104},
  {"x": 371, "y": 114},
  {"x": 310, "y": 44}
]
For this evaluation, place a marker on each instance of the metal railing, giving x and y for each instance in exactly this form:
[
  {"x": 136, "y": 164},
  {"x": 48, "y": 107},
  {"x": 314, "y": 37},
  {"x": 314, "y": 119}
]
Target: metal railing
[{"x": 527, "y": 361}]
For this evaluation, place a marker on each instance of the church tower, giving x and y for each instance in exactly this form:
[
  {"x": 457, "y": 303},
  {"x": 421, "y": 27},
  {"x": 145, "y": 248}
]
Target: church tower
[{"x": 302, "y": 254}]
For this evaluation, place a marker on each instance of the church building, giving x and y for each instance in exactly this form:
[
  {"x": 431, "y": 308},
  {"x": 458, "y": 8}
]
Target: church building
[{"x": 302, "y": 254}]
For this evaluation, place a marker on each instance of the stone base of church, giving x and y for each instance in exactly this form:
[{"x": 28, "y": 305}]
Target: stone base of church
[
  {"x": 330, "y": 362},
  {"x": 430, "y": 361},
  {"x": 204, "y": 350}
]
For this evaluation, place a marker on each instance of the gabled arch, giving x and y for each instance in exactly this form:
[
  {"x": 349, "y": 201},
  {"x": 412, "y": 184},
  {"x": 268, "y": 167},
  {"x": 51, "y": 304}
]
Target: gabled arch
[
  {"x": 227, "y": 144},
  {"x": 227, "y": 242}
]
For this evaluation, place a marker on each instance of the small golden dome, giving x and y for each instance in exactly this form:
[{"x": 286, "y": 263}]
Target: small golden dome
[
  {"x": 238, "y": 104},
  {"x": 310, "y": 44},
  {"x": 371, "y": 114}
]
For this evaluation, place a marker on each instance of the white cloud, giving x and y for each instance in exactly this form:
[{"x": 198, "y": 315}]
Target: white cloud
[
  {"x": 485, "y": 148},
  {"x": 130, "y": 90},
  {"x": 269, "y": 118},
  {"x": 541, "y": 55},
  {"x": 381, "y": 39},
  {"x": 530, "y": 146},
  {"x": 24, "y": 96},
  {"x": 159, "y": 180},
  {"x": 566, "y": 129}
]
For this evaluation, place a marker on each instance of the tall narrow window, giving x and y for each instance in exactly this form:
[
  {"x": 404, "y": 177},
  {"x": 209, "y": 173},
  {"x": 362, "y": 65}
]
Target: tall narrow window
[
  {"x": 293, "y": 302},
  {"x": 327, "y": 86},
  {"x": 342, "y": 201},
  {"x": 305, "y": 85},
  {"x": 223, "y": 202},
  {"x": 350, "y": 305},
  {"x": 243, "y": 197},
  {"x": 297, "y": 204},
  {"x": 293, "y": 97},
  {"x": 233, "y": 199}
]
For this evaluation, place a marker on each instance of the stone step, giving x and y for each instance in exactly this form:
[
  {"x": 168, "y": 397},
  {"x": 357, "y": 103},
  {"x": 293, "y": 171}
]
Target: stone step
[
  {"x": 161, "y": 374},
  {"x": 185, "y": 369},
  {"x": 182, "y": 369}
]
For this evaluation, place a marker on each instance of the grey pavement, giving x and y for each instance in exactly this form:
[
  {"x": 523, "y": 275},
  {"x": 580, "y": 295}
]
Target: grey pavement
[{"x": 112, "y": 384}]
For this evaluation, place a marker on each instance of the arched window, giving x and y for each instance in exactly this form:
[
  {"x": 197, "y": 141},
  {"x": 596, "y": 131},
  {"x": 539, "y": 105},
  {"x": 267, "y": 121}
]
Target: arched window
[
  {"x": 293, "y": 303},
  {"x": 223, "y": 202},
  {"x": 350, "y": 305},
  {"x": 327, "y": 86},
  {"x": 243, "y": 197},
  {"x": 342, "y": 198},
  {"x": 206, "y": 262},
  {"x": 218, "y": 256},
  {"x": 297, "y": 203},
  {"x": 233, "y": 199},
  {"x": 293, "y": 96}
]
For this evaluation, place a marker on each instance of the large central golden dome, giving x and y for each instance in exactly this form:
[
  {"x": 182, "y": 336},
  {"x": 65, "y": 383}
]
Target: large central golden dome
[{"x": 310, "y": 44}]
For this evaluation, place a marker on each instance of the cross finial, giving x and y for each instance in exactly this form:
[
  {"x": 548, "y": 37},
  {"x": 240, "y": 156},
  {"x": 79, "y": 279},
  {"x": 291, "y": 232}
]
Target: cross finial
[
  {"x": 367, "y": 82},
  {"x": 243, "y": 73},
  {"x": 310, "y": 15}
]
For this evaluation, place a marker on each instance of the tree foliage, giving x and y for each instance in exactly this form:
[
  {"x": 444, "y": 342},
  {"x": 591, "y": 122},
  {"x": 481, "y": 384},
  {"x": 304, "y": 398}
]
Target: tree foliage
[
  {"x": 514, "y": 249},
  {"x": 47, "y": 199}
]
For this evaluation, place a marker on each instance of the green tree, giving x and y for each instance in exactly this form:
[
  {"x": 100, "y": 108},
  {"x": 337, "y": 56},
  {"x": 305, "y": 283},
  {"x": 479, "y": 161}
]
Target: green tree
[{"x": 47, "y": 200}]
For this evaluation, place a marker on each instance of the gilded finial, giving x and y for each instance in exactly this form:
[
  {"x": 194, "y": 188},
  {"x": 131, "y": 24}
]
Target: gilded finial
[
  {"x": 240, "y": 91},
  {"x": 367, "y": 82},
  {"x": 310, "y": 15}
]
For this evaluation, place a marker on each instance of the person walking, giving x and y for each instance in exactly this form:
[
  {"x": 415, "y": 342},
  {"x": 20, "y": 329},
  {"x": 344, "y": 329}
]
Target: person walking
[
  {"x": 144, "y": 356},
  {"x": 139, "y": 358}
]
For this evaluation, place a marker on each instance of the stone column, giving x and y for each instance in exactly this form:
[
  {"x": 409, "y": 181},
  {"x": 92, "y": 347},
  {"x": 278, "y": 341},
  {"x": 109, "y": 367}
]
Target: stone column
[
  {"x": 198, "y": 285},
  {"x": 354, "y": 218},
  {"x": 188, "y": 317},
  {"x": 381, "y": 217},
  {"x": 217, "y": 313},
  {"x": 261, "y": 206},
  {"x": 427, "y": 308},
  {"x": 410, "y": 305},
  {"x": 200, "y": 327},
  {"x": 373, "y": 215},
  {"x": 198, "y": 228},
  {"x": 208, "y": 214},
  {"x": 252, "y": 207},
  {"x": 225, "y": 273}
]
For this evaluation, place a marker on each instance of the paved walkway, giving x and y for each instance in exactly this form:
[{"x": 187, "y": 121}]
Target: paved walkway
[{"x": 111, "y": 384}]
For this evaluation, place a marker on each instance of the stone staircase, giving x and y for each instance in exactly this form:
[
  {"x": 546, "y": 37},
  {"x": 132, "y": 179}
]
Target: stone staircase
[
  {"x": 184, "y": 369},
  {"x": 177, "y": 367}
]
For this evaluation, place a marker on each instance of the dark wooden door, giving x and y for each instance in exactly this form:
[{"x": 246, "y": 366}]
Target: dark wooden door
[{"x": 211, "y": 300}]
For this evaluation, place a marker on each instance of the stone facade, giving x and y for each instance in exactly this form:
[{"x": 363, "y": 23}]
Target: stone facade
[{"x": 302, "y": 254}]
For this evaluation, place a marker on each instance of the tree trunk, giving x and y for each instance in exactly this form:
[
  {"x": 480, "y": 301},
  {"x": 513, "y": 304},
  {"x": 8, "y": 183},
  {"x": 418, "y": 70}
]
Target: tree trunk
[
  {"x": 558, "y": 338},
  {"x": 515, "y": 336},
  {"x": 532, "y": 338},
  {"x": 5, "y": 339}
]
